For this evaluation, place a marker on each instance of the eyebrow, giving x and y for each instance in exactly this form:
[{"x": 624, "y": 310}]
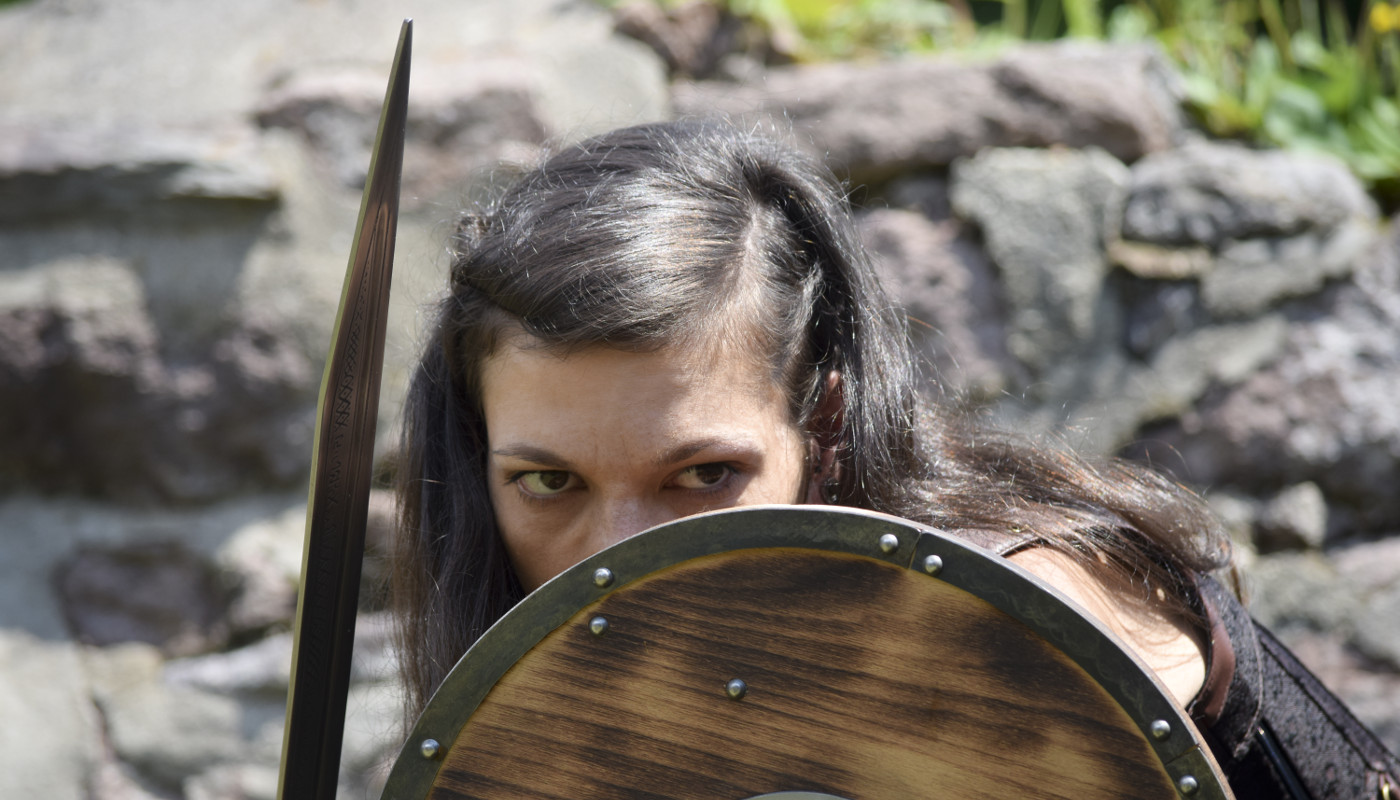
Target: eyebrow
[
  {"x": 689, "y": 449},
  {"x": 546, "y": 458},
  {"x": 535, "y": 455}
]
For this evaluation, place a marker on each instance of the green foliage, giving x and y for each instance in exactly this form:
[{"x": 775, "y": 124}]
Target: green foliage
[
  {"x": 1298, "y": 74},
  {"x": 841, "y": 29},
  {"x": 1294, "y": 73}
]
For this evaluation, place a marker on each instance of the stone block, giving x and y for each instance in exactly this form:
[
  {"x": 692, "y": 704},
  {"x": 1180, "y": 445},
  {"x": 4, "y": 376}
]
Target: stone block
[
  {"x": 1044, "y": 216},
  {"x": 875, "y": 120},
  {"x": 169, "y": 733},
  {"x": 51, "y": 737},
  {"x": 159, "y": 593},
  {"x": 1322, "y": 410},
  {"x": 49, "y": 172},
  {"x": 1294, "y": 519},
  {"x": 1288, "y": 590},
  {"x": 949, "y": 290},
  {"x": 1210, "y": 193}
]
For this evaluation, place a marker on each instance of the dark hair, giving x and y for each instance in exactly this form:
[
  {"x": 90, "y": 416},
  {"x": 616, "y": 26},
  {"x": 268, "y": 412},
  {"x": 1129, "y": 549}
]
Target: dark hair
[{"x": 656, "y": 235}]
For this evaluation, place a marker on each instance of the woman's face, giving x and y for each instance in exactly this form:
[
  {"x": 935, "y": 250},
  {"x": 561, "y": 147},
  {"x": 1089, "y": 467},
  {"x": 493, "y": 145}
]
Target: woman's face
[{"x": 590, "y": 448}]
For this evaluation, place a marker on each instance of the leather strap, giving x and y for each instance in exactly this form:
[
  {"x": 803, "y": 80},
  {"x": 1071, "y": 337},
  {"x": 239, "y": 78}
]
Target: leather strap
[
  {"x": 999, "y": 542},
  {"x": 1209, "y": 703}
]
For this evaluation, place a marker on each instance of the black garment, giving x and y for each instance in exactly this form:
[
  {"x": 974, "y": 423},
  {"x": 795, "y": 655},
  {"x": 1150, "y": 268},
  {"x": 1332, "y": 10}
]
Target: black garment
[{"x": 1276, "y": 731}]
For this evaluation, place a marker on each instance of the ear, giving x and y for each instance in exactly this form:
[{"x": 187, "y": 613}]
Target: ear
[{"x": 825, "y": 427}]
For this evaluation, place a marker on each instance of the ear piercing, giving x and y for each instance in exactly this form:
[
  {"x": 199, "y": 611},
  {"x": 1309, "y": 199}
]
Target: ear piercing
[{"x": 830, "y": 486}]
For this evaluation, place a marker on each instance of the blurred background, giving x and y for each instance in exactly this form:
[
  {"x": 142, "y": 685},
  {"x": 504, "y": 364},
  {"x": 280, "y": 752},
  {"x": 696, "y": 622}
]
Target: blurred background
[{"x": 1155, "y": 228}]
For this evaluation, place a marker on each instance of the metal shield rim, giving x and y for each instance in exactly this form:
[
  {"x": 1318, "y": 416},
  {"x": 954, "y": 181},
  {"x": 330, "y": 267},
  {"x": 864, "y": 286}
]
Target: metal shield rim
[{"x": 882, "y": 537}]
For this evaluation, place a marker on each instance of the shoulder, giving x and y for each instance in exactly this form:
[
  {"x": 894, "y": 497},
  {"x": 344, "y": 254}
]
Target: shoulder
[{"x": 1172, "y": 647}]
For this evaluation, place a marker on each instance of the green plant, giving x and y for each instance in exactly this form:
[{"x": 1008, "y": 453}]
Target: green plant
[
  {"x": 843, "y": 29},
  {"x": 1298, "y": 73},
  {"x": 1302, "y": 74}
]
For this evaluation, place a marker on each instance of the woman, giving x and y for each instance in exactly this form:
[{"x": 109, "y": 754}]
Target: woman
[{"x": 675, "y": 318}]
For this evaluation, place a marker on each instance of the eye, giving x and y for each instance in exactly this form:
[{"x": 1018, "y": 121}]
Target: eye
[
  {"x": 546, "y": 482},
  {"x": 703, "y": 476}
]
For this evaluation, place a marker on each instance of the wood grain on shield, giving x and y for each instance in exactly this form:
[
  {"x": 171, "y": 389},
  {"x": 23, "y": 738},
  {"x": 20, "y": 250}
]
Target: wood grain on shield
[{"x": 963, "y": 702}]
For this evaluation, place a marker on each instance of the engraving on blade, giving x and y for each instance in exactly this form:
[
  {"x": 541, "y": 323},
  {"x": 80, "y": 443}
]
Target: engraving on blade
[{"x": 350, "y": 370}]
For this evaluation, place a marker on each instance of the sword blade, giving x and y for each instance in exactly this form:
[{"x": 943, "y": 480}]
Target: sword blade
[{"x": 340, "y": 472}]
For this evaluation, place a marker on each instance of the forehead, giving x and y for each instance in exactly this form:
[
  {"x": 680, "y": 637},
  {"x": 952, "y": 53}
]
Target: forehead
[{"x": 535, "y": 392}]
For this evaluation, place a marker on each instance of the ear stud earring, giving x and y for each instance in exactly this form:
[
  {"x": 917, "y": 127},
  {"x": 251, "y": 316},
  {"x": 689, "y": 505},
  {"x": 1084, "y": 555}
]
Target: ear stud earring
[{"x": 830, "y": 486}]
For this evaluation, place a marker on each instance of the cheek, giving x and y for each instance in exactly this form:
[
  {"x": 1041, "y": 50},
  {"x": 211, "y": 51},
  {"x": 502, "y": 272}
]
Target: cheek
[
  {"x": 533, "y": 562},
  {"x": 500, "y": 506},
  {"x": 525, "y": 551}
]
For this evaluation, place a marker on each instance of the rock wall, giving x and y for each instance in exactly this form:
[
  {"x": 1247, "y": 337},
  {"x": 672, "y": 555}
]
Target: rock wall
[
  {"x": 178, "y": 191},
  {"x": 178, "y": 187}
]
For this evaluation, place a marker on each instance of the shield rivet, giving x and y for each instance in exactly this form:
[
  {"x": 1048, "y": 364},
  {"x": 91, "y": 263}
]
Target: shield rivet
[
  {"x": 736, "y": 689},
  {"x": 430, "y": 748},
  {"x": 598, "y": 625},
  {"x": 602, "y": 577},
  {"x": 1161, "y": 729},
  {"x": 889, "y": 543},
  {"x": 933, "y": 564},
  {"x": 1187, "y": 785}
]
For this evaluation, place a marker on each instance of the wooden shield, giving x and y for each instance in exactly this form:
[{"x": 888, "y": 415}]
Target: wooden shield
[{"x": 800, "y": 652}]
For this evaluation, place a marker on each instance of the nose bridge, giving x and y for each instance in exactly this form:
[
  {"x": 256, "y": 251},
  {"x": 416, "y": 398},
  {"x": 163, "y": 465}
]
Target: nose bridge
[{"x": 622, "y": 516}]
